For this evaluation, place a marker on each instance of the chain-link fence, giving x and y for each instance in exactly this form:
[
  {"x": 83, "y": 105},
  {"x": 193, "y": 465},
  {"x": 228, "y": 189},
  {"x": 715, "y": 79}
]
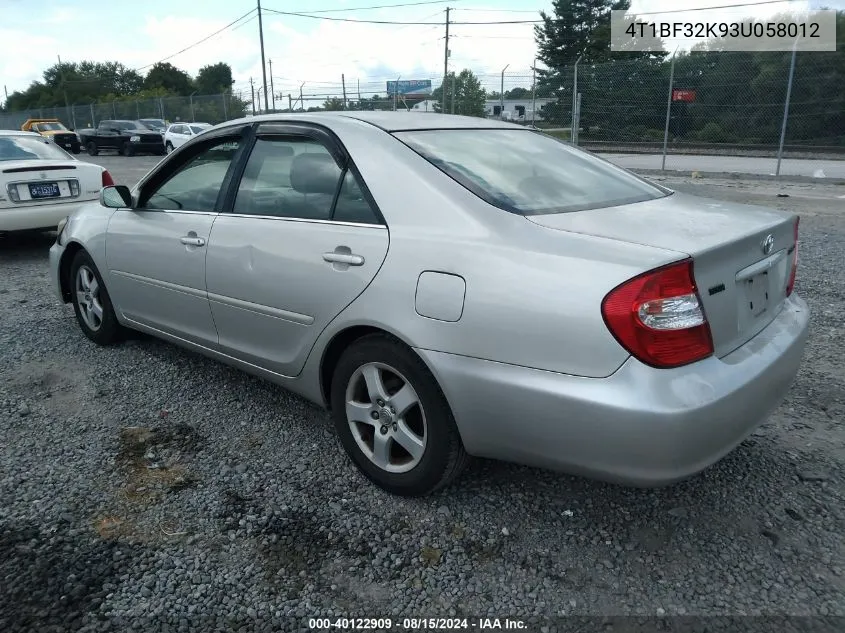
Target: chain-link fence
[
  {"x": 703, "y": 103},
  {"x": 201, "y": 108}
]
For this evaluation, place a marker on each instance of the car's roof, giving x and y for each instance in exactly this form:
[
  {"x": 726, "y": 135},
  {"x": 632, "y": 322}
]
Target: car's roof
[
  {"x": 389, "y": 121},
  {"x": 18, "y": 133}
]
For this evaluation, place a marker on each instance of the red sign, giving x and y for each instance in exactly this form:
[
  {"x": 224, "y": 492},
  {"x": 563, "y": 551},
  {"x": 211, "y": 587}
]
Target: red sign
[{"x": 683, "y": 95}]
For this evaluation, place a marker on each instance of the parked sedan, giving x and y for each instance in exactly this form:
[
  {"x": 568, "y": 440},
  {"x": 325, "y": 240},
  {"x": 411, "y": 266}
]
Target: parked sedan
[
  {"x": 180, "y": 133},
  {"x": 452, "y": 286},
  {"x": 40, "y": 183}
]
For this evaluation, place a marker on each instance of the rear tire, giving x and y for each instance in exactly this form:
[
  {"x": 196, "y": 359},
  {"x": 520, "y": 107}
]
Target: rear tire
[
  {"x": 91, "y": 148},
  {"x": 385, "y": 399},
  {"x": 91, "y": 302}
]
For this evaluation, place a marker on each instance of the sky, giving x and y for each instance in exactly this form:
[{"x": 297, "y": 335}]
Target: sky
[{"x": 316, "y": 52}]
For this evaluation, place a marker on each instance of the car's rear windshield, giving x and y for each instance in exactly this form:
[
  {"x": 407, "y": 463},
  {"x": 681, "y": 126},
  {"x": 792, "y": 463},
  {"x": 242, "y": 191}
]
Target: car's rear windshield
[
  {"x": 527, "y": 172},
  {"x": 29, "y": 148}
]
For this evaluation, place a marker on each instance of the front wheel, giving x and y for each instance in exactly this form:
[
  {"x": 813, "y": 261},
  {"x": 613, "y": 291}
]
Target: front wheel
[
  {"x": 76, "y": 150},
  {"x": 91, "y": 302},
  {"x": 393, "y": 420},
  {"x": 91, "y": 148},
  {"x": 169, "y": 147},
  {"x": 127, "y": 150}
]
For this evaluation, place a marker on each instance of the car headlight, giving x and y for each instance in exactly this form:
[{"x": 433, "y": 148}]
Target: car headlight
[{"x": 134, "y": 139}]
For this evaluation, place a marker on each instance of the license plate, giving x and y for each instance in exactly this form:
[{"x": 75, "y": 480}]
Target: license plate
[
  {"x": 757, "y": 294},
  {"x": 45, "y": 190}
]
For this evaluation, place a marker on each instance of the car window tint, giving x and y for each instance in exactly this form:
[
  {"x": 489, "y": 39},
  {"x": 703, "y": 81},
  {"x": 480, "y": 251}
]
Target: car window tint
[
  {"x": 288, "y": 177},
  {"x": 196, "y": 184},
  {"x": 351, "y": 205},
  {"x": 526, "y": 172}
]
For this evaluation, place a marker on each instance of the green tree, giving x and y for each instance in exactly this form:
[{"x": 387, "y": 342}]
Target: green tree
[
  {"x": 167, "y": 76},
  {"x": 214, "y": 78},
  {"x": 334, "y": 103},
  {"x": 469, "y": 96},
  {"x": 518, "y": 93}
]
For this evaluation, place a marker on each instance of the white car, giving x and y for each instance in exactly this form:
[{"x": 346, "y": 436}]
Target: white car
[
  {"x": 180, "y": 133},
  {"x": 41, "y": 184}
]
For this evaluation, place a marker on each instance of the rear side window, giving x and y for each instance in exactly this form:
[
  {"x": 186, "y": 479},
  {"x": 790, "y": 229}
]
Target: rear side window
[{"x": 528, "y": 173}]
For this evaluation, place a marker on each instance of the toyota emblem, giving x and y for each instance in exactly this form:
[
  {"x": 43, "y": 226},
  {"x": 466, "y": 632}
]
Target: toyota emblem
[{"x": 768, "y": 244}]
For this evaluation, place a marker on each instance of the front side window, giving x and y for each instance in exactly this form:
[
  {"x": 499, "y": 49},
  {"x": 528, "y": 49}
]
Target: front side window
[
  {"x": 527, "y": 172},
  {"x": 288, "y": 177},
  {"x": 196, "y": 184}
]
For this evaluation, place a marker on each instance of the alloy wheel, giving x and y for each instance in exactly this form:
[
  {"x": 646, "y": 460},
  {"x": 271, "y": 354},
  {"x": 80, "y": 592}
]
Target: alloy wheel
[
  {"x": 386, "y": 417},
  {"x": 88, "y": 298}
]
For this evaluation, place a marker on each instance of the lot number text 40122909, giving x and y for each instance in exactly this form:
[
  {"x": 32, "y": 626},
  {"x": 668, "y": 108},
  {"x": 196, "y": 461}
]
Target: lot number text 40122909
[{"x": 416, "y": 624}]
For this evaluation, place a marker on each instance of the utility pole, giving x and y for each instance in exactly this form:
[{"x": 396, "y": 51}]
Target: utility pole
[
  {"x": 301, "y": 102},
  {"x": 290, "y": 103},
  {"x": 252, "y": 91},
  {"x": 359, "y": 93},
  {"x": 454, "y": 92},
  {"x": 263, "y": 64},
  {"x": 272, "y": 89},
  {"x": 445, "y": 63},
  {"x": 502, "y": 94},
  {"x": 343, "y": 83}
]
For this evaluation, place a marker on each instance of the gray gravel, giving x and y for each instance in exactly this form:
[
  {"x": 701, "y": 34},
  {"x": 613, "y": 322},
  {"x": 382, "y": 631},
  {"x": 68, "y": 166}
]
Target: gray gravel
[{"x": 144, "y": 486}]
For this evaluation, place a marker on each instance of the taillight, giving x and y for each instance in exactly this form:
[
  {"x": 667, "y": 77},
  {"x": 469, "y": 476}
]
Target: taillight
[
  {"x": 790, "y": 286},
  {"x": 657, "y": 317},
  {"x": 107, "y": 179}
]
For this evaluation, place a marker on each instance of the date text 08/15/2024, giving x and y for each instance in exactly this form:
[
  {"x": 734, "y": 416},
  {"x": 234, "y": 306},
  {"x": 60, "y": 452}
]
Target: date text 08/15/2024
[{"x": 414, "y": 624}]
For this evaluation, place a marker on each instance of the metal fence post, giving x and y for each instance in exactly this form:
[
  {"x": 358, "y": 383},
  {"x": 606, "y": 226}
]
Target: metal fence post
[
  {"x": 225, "y": 113},
  {"x": 574, "y": 99},
  {"x": 668, "y": 112},
  {"x": 93, "y": 120},
  {"x": 577, "y": 118},
  {"x": 786, "y": 107}
]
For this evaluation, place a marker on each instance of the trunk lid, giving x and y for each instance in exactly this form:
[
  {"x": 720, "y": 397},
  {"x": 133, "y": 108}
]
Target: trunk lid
[{"x": 741, "y": 272}]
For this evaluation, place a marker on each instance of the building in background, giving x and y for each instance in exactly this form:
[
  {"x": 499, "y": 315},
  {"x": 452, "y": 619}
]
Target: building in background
[{"x": 515, "y": 109}]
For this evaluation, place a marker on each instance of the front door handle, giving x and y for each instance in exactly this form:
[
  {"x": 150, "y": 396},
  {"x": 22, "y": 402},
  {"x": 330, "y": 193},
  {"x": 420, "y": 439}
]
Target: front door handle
[
  {"x": 191, "y": 240},
  {"x": 344, "y": 258}
]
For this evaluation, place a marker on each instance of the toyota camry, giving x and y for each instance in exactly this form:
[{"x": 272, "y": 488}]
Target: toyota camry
[{"x": 450, "y": 287}]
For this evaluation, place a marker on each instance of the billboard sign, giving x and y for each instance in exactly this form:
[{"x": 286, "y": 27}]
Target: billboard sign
[{"x": 410, "y": 87}]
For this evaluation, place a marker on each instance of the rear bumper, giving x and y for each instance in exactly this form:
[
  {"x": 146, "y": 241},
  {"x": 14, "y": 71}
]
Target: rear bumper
[
  {"x": 33, "y": 217},
  {"x": 641, "y": 426}
]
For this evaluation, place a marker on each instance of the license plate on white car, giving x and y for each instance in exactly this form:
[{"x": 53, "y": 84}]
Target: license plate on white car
[{"x": 44, "y": 190}]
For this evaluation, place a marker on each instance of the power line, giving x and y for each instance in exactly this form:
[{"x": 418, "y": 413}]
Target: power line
[
  {"x": 394, "y": 22},
  {"x": 205, "y": 39},
  {"x": 382, "y": 6},
  {"x": 724, "y": 6}
]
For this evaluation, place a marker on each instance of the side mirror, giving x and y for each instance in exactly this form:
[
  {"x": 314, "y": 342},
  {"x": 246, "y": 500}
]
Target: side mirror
[{"x": 116, "y": 197}]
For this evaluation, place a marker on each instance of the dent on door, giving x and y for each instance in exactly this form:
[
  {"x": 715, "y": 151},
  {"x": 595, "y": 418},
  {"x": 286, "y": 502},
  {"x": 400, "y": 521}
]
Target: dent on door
[{"x": 275, "y": 284}]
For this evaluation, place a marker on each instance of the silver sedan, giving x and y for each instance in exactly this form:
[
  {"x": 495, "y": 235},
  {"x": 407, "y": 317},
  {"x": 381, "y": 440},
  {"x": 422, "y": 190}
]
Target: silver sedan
[{"x": 450, "y": 286}]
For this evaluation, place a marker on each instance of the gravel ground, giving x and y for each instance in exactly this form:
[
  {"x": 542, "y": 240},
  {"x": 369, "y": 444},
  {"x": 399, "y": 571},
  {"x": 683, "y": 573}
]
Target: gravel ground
[{"x": 144, "y": 486}]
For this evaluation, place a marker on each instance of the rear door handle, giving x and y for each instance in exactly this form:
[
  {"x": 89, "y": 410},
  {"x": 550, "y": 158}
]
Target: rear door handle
[
  {"x": 192, "y": 241},
  {"x": 344, "y": 258}
]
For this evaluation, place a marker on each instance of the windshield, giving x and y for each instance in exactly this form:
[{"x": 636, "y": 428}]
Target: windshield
[
  {"x": 30, "y": 148},
  {"x": 153, "y": 123},
  {"x": 130, "y": 125},
  {"x": 48, "y": 127},
  {"x": 529, "y": 173}
]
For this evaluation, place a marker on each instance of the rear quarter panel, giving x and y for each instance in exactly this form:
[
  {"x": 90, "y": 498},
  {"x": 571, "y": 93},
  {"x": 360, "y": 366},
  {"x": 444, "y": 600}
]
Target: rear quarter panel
[{"x": 533, "y": 296}]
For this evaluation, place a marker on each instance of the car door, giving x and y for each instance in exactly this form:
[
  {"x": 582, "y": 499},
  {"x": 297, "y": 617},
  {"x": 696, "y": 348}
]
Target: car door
[
  {"x": 156, "y": 251},
  {"x": 180, "y": 135},
  {"x": 298, "y": 240}
]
